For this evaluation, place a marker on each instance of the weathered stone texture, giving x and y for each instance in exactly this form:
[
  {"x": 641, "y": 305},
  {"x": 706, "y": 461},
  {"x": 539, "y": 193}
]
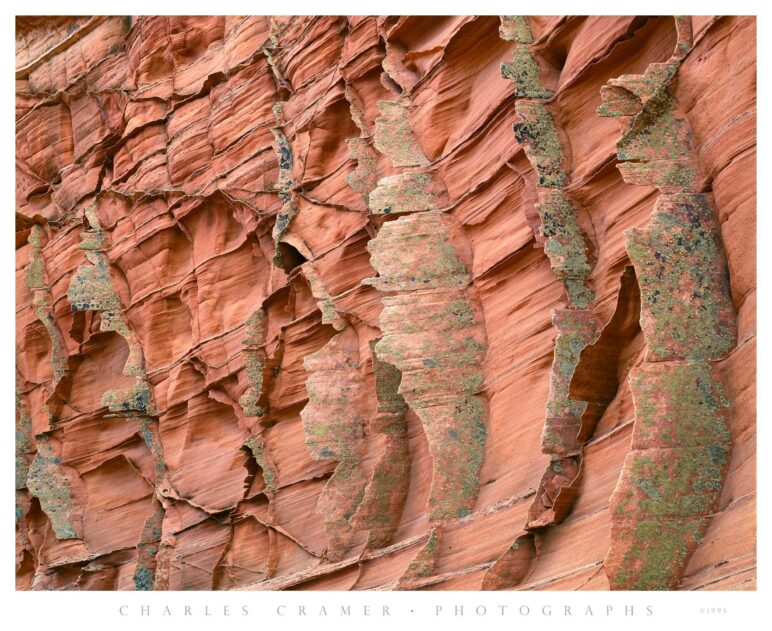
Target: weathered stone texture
[{"x": 385, "y": 302}]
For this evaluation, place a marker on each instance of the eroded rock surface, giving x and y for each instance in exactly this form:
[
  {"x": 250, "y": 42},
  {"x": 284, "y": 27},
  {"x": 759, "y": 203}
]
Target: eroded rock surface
[{"x": 385, "y": 303}]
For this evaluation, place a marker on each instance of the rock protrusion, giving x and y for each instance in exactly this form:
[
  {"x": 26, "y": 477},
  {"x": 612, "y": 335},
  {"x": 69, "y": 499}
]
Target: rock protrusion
[{"x": 673, "y": 474}]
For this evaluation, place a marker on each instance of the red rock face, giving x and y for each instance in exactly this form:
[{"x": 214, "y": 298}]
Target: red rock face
[{"x": 394, "y": 303}]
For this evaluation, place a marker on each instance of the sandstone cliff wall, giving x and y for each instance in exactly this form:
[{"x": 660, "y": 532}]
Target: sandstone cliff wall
[{"x": 385, "y": 303}]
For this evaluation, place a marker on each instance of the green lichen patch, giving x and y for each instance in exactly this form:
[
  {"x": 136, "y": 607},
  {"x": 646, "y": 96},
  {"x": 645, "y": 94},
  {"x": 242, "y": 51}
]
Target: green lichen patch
[
  {"x": 35, "y": 274},
  {"x": 653, "y": 85},
  {"x": 679, "y": 405},
  {"x": 403, "y": 193},
  {"x": 323, "y": 297},
  {"x": 685, "y": 36},
  {"x": 537, "y": 134},
  {"x": 249, "y": 402},
  {"x": 657, "y": 131},
  {"x": 284, "y": 158},
  {"x": 25, "y": 448},
  {"x": 21, "y": 508},
  {"x": 365, "y": 177},
  {"x": 514, "y": 28},
  {"x": 432, "y": 339},
  {"x": 386, "y": 491},
  {"x": 413, "y": 253},
  {"x": 331, "y": 419},
  {"x": 381, "y": 508},
  {"x": 391, "y": 406},
  {"x": 617, "y": 101},
  {"x": 90, "y": 289},
  {"x": 673, "y": 482},
  {"x": 681, "y": 442},
  {"x": 51, "y": 482},
  {"x": 92, "y": 240},
  {"x": 338, "y": 503},
  {"x": 254, "y": 363},
  {"x": 579, "y": 294},
  {"x": 147, "y": 550},
  {"x": 443, "y": 310},
  {"x": 334, "y": 430},
  {"x": 394, "y": 136},
  {"x": 254, "y": 329},
  {"x": 138, "y": 399},
  {"x": 669, "y": 176},
  {"x": 144, "y": 577},
  {"x": 92, "y": 217},
  {"x": 576, "y": 330},
  {"x": 58, "y": 349},
  {"x": 36, "y": 281},
  {"x": 284, "y": 188},
  {"x": 424, "y": 561},
  {"x": 524, "y": 73},
  {"x": 456, "y": 433},
  {"x": 565, "y": 245},
  {"x": 651, "y": 554},
  {"x": 148, "y": 429},
  {"x": 435, "y": 345},
  {"x": 437, "y": 368},
  {"x": 262, "y": 456},
  {"x": 687, "y": 310},
  {"x": 673, "y": 476},
  {"x": 283, "y": 220}
]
